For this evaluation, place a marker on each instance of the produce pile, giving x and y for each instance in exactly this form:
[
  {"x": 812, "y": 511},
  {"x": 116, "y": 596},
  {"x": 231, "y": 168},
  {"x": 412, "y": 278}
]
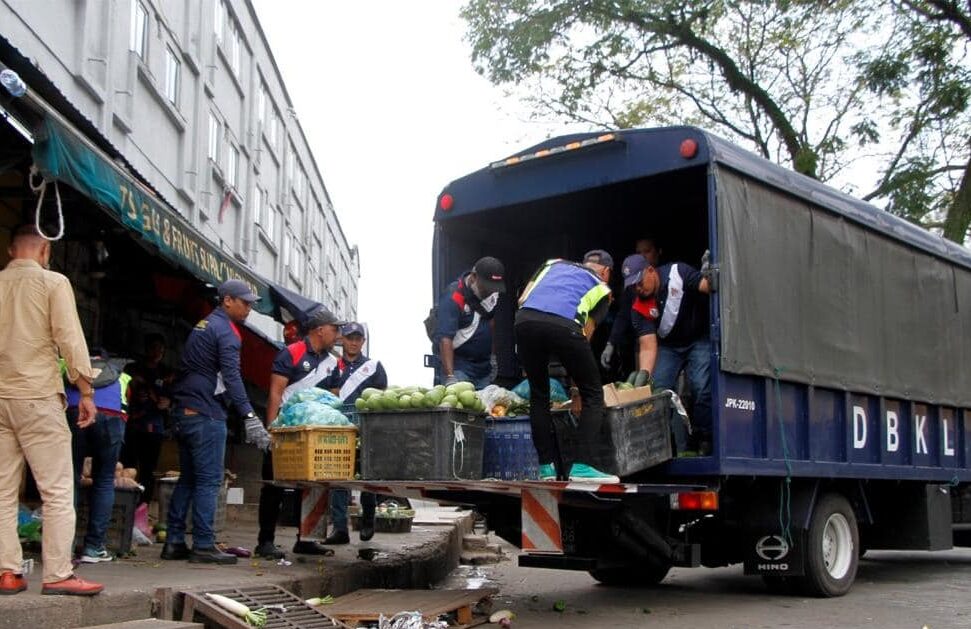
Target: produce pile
[
  {"x": 461, "y": 395},
  {"x": 311, "y": 407},
  {"x": 635, "y": 380}
]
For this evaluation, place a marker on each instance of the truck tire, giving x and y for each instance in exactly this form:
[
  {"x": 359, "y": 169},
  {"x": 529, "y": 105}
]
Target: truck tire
[
  {"x": 641, "y": 574},
  {"x": 832, "y": 552}
]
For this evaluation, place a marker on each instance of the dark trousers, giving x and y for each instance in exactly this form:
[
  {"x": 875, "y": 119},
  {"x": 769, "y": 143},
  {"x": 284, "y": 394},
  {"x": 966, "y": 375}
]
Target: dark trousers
[
  {"x": 340, "y": 498},
  {"x": 141, "y": 451},
  {"x": 102, "y": 442},
  {"x": 271, "y": 498},
  {"x": 202, "y": 451},
  {"x": 538, "y": 342}
]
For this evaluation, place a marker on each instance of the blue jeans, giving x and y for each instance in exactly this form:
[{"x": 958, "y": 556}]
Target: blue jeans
[
  {"x": 340, "y": 498},
  {"x": 202, "y": 450},
  {"x": 695, "y": 359},
  {"x": 463, "y": 375},
  {"x": 101, "y": 441}
]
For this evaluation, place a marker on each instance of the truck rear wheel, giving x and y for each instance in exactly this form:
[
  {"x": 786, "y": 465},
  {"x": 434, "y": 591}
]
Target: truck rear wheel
[
  {"x": 639, "y": 574},
  {"x": 832, "y": 552}
]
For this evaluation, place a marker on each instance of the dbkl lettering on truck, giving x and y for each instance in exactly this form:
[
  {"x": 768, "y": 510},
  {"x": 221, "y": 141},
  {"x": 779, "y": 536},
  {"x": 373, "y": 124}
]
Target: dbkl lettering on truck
[{"x": 892, "y": 422}]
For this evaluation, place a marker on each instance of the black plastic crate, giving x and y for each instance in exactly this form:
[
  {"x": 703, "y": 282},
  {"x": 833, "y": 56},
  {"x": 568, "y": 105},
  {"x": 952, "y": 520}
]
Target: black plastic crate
[
  {"x": 634, "y": 437},
  {"x": 120, "y": 525},
  {"x": 436, "y": 444}
]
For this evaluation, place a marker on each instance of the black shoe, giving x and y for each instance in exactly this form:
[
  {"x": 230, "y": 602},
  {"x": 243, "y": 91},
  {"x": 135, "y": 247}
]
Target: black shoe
[
  {"x": 337, "y": 537},
  {"x": 303, "y": 547},
  {"x": 211, "y": 555},
  {"x": 367, "y": 530},
  {"x": 175, "y": 551},
  {"x": 268, "y": 550}
]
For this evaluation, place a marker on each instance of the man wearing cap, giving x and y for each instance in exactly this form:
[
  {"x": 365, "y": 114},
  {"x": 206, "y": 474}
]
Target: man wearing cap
[
  {"x": 303, "y": 364},
  {"x": 670, "y": 316},
  {"x": 354, "y": 373},
  {"x": 558, "y": 313},
  {"x": 621, "y": 332},
  {"x": 209, "y": 367},
  {"x": 463, "y": 332}
]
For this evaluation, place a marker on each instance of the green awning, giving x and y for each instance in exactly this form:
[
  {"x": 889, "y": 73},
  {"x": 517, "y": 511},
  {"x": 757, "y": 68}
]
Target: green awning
[{"x": 61, "y": 153}]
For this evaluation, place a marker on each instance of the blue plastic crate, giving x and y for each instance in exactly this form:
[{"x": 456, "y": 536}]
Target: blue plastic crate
[{"x": 509, "y": 453}]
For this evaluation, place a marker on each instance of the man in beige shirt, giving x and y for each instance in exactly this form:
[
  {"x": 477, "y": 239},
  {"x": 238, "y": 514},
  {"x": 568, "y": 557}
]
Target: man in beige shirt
[{"x": 39, "y": 322}]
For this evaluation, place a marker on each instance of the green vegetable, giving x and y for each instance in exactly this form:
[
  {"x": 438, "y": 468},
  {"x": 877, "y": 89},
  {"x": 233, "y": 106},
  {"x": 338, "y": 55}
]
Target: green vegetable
[
  {"x": 368, "y": 392},
  {"x": 559, "y": 606},
  {"x": 360, "y": 404},
  {"x": 468, "y": 399}
]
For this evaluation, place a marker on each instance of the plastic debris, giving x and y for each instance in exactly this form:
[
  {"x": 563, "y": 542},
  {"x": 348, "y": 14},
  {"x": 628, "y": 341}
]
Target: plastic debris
[
  {"x": 409, "y": 620},
  {"x": 502, "y": 614},
  {"x": 284, "y": 562}
]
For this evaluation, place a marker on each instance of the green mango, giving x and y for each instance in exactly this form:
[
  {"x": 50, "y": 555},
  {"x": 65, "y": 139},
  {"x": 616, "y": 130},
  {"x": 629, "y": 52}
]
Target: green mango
[
  {"x": 451, "y": 400},
  {"x": 360, "y": 404},
  {"x": 404, "y": 401},
  {"x": 418, "y": 401},
  {"x": 368, "y": 392},
  {"x": 467, "y": 398},
  {"x": 375, "y": 403}
]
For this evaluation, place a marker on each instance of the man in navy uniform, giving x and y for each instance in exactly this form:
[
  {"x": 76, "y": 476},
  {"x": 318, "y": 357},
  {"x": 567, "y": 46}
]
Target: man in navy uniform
[
  {"x": 303, "y": 364},
  {"x": 463, "y": 333},
  {"x": 670, "y": 316},
  {"x": 354, "y": 373},
  {"x": 209, "y": 367}
]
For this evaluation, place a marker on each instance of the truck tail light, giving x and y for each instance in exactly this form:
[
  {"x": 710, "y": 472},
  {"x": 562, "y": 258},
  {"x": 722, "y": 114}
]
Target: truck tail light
[{"x": 695, "y": 501}]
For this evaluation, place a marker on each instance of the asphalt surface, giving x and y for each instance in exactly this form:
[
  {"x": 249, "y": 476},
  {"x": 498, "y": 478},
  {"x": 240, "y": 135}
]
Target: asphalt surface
[{"x": 893, "y": 589}]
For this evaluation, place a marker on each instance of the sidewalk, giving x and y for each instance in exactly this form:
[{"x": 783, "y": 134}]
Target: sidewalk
[{"x": 144, "y": 586}]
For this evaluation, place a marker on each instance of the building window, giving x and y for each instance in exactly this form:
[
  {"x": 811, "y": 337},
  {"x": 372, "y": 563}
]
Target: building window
[
  {"x": 220, "y": 21},
  {"x": 232, "y": 166},
  {"x": 139, "y": 27},
  {"x": 235, "y": 49},
  {"x": 287, "y": 245},
  {"x": 275, "y": 129},
  {"x": 214, "y": 128},
  {"x": 261, "y": 105},
  {"x": 291, "y": 159},
  {"x": 296, "y": 264},
  {"x": 172, "y": 68}
]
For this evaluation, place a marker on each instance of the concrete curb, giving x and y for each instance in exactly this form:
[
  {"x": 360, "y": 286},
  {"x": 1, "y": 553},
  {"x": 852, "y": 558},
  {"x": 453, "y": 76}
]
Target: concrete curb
[{"x": 428, "y": 558}]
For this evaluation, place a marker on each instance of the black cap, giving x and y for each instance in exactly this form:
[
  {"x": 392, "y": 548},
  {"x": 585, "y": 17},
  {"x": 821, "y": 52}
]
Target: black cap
[
  {"x": 599, "y": 256},
  {"x": 238, "y": 289},
  {"x": 490, "y": 274},
  {"x": 320, "y": 317},
  {"x": 353, "y": 328}
]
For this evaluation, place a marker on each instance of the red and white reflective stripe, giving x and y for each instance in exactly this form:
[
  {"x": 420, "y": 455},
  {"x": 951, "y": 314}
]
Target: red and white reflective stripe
[
  {"x": 541, "y": 522},
  {"x": 314, "y": 503}
]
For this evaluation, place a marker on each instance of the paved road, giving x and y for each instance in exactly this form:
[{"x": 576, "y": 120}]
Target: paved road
[{"x": 893, "y": 589}]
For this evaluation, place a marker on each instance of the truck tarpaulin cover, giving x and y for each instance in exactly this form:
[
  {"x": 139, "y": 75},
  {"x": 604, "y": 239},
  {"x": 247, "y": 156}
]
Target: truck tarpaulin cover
[{"x": 812, "y": 297}]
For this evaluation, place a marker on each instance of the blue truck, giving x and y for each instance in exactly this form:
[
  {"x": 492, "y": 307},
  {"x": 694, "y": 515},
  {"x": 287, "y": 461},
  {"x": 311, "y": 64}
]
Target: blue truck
[{"x": 841, "y": 361}]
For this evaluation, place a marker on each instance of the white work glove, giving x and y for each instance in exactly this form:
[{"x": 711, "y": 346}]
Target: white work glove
[
  {"x": 709, "y": 272},
  {"x": 607, "y": 355},
  {"x": 450, "y": 380},
  {"x": 256, "y": 433}
]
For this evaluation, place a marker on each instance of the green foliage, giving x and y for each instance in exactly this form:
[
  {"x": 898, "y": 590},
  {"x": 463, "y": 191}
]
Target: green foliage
[{"x": 810, "y": 82}]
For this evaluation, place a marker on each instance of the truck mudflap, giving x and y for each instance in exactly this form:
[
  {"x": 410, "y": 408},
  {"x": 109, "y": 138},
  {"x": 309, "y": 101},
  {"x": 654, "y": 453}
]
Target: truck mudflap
[{"x": 771, "y": 553}]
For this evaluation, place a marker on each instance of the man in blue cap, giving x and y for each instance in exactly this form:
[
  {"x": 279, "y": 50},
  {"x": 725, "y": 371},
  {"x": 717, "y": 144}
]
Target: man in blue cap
[
  {"x": 670, "y": 316},
  {"x": 354, "y": 373},
  {"x": 209, "y": 367}
]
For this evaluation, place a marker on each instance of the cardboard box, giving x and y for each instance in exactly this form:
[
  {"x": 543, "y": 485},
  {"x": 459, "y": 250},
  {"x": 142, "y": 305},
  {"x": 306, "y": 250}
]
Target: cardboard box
[{"x": 618, "y": 397}]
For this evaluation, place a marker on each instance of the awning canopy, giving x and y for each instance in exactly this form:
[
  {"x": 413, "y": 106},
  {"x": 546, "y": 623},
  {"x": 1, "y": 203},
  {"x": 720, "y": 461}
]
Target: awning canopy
[
  {"x": 62, "y": 153},
  {"x": 290, "y": 306}
]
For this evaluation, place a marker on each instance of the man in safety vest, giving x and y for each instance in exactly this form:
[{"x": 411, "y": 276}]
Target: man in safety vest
[
  {"x": 301, "y": 365},
  {"x": 463, "y": 331},
  {"x": 101, "y": 441},
  {"x": 355, "y": 372},
  {"x": 670, "y": 316},
  {"x": 558, "y": 313}
]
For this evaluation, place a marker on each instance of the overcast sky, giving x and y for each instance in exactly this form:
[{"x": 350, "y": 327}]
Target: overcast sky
[{"x": 393, "y": 111}]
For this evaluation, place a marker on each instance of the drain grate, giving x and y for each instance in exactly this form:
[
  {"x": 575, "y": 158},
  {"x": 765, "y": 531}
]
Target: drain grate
[{"x": 298, "y": 614}]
